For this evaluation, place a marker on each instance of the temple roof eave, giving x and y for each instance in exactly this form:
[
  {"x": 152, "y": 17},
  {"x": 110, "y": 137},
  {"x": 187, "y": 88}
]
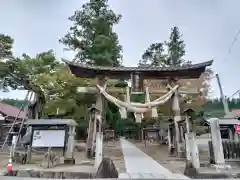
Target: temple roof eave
[{"x": 90, "y": 71}]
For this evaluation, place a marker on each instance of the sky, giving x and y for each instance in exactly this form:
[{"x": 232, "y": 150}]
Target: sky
[{"x": 208, "y": 28}]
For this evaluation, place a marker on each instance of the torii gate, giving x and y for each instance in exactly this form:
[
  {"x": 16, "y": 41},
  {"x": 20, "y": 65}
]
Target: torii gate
[{"x": 137, "y": 76}]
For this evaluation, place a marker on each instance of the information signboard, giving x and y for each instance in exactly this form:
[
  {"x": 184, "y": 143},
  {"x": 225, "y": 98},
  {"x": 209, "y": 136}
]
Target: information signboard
[{"x": 48, "y": 138}]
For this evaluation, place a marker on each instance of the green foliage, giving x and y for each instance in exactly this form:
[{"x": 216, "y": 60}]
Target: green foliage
[
  {"x": 21, "y": 72},
  {"x": 176, "y": 49},
  {"x": 169, "y": 53},
  {"x": 46, "y": 76},
  {"x": 154, "y": 56},
  {"x": 60, "y": 89},
  {"x": 148, "y": 122},
  {"x": 6, "y": 43},
  {"x": 81, "y": 128},
  {"x": 91, "y": 36},
  {"x": 138, "y": 98},
  {"x": 214, "y": 108}
]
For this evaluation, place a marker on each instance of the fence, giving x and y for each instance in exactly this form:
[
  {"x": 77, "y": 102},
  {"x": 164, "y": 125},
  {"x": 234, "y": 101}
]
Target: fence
[{"x": 231, "y": 150}]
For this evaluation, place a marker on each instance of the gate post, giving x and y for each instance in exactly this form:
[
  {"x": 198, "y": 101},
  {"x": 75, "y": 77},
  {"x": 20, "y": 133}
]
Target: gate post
[
  {"x": 192, "y": 163},
  {"x": 217, "y": 141}
]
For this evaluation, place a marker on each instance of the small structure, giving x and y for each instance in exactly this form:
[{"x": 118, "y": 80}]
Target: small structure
[
  {"x": 50, "y": 133},
  {"x": 8, "y": 114},
  {"x": 151, "y": 134},
  {"x": 227, "y": 127},
  {"x": 109, "y": 134}
]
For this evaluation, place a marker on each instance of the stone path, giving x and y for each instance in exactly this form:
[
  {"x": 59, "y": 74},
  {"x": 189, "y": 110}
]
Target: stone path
[{"x": 140, "y": 165}]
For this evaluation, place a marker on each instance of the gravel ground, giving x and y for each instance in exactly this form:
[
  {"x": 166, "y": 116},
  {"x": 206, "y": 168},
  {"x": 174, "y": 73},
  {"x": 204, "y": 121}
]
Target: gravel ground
[
  {"x": 80, "y": 158},
  {"x": 113, "y": 150}
]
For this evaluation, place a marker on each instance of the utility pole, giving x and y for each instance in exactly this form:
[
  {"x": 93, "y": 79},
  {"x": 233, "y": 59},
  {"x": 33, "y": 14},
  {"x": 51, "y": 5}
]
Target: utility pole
[{"x": 224, "y": 100}]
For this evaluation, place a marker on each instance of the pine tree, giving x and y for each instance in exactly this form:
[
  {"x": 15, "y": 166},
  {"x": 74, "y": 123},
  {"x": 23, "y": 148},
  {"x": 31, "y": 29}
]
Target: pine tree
[
  {"x": 166, "y": 54},
  {"x": 91, "y": 37},
  {"x": 176, "y": 48}
]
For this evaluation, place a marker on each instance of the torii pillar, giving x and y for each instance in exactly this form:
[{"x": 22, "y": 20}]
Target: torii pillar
[
  {"x": 92, "y": 129},
  {"x": 177, "y": 118}
]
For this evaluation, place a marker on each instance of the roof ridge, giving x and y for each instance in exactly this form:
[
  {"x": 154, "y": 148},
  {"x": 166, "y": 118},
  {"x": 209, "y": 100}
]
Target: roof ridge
[{"x": 88, "y": 66}]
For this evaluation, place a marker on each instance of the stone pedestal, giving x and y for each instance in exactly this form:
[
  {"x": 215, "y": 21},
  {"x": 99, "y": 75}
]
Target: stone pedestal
[
  {"x": 171, "y": 146},
  {"x": 236, "y": 136},
  {"x": 138, "y": 117},
  {"x": 192, "y": 153},
  {"x": 69, "y": 161},
  {"x": 217, "y": 141},
  {"x": 99, "y": 149},
  {"x": 230, "y": 134},
  {"x": 90, "y": 138},
  {"x": 107, "y": 169}
]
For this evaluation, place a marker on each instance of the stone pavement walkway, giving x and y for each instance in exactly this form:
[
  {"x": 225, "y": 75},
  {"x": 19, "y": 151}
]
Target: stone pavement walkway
[{"x": 140, "y": 165}]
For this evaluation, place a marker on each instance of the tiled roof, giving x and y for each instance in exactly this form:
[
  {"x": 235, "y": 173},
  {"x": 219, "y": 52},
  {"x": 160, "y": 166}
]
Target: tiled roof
[
  {"x": 139, "y": 69},
  {"x": 32, "y": 122},
  {"x": 224, "y": 121},
  {"x": 11, "y": 111}
]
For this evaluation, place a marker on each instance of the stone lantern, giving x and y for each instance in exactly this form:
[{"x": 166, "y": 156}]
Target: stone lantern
[
  {"x": 94, "y": 115},
  {"x": 94, "y": 112}
]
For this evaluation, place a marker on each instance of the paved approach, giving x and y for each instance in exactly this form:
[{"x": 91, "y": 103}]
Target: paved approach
[{"x": 140, "y": 165}]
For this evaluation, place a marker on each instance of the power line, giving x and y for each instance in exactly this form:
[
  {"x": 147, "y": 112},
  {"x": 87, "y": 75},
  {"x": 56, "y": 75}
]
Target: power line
[
  {"x": 234, "y": 94},
  {"x": 232, "y": 45},
  {"x": 229, "y": 51}
]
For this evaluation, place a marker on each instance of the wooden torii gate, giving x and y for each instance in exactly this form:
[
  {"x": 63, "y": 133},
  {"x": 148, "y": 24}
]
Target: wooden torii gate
[{"x": 137, "y": 76}]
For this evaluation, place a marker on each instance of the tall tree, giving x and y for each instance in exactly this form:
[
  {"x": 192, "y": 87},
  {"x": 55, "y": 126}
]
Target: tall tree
[
  {"x": 154, "y": 56},
  {"x": 168, "y": 53},
  {"x": 171, "y": 54},
  {"x": 20, "y": 72},
  {"x": 176, "y": 48},
  {"x": 60, "y": 91},
  {"x": 92, "y": 36},
  {"x": 6, "y": 43}
]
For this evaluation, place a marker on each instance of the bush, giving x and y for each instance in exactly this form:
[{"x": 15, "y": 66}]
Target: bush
[{"x": 81, "y": 128}]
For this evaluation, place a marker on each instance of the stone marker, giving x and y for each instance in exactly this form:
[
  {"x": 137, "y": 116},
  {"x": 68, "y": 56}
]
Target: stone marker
[{"x": 107, "y": 169}]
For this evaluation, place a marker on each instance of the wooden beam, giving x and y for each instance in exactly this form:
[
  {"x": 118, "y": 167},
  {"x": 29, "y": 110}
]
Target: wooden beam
[{"x": 192, "y": 91}]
